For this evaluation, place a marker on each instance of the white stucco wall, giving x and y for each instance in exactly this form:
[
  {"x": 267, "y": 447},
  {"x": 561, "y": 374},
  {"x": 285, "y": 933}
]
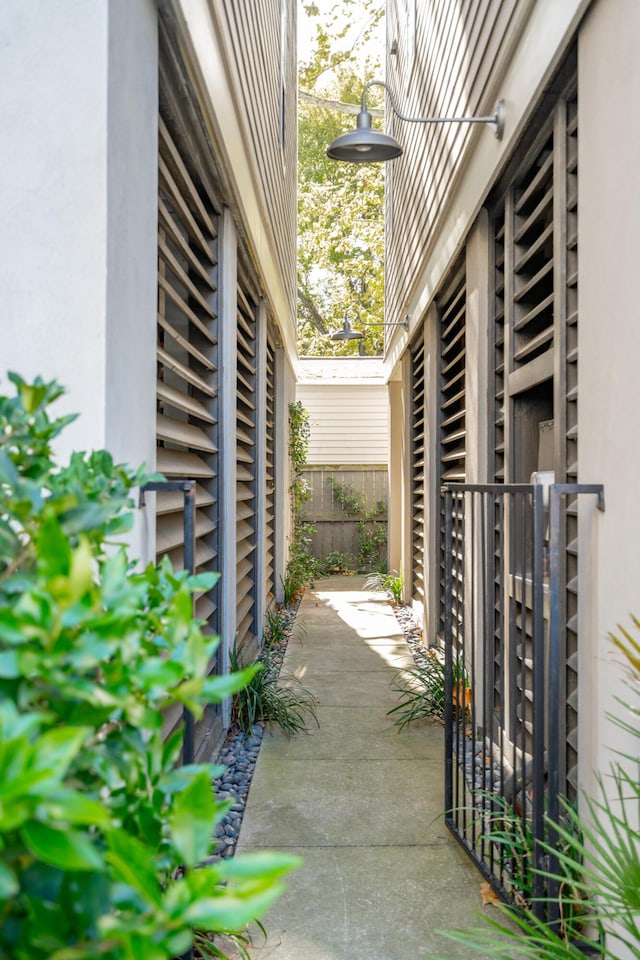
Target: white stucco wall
[
  {"x": 78, "y": 197},
  {"x": 609, "y": 345}
]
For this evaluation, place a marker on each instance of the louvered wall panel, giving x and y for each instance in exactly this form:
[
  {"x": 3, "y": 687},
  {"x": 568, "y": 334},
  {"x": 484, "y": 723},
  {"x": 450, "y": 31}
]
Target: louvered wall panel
[
  {"x": 267, "y": 88},
  {"x": 188, "y": 210},
  {"x": 418, "y": 456},
  {"x": 246, "y": 468},
  {"x": 535, "y": 378},
  {"x": 497, "y": 434},
  {"x": 270, "y": 471},
  {"x": 454, "y": 40},
  {"x": 533, "y": 291},
  {"x": 570, "y": 445},
  {"x": 186, "y": 356},
  {"x": 452, "y": 423}
]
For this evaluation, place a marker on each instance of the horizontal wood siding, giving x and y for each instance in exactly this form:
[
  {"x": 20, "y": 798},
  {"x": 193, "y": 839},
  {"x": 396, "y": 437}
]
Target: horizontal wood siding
[
  {"x": 349, "y": 424},
  {"x": 254, "y": 32},
  {"x": 453, "y": 41}
]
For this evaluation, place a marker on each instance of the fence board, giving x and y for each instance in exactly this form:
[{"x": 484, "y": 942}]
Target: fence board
[{"x": 334, "y": 529}]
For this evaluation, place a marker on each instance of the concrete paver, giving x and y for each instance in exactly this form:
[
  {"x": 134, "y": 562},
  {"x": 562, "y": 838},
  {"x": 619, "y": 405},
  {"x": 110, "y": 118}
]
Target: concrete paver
[{"x": 359, "y": 801}]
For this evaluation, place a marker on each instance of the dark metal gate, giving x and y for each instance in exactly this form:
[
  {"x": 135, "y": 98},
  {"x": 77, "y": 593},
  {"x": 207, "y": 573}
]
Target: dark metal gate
[{"x": 505, "y": 662}]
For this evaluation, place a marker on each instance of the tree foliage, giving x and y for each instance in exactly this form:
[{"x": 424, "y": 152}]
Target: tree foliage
[{"x": 340, "y": 206}]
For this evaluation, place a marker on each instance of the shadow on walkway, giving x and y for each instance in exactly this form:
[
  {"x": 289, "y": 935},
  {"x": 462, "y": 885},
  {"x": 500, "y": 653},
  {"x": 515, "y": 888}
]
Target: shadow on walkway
[{"x": 360, "y": 802}]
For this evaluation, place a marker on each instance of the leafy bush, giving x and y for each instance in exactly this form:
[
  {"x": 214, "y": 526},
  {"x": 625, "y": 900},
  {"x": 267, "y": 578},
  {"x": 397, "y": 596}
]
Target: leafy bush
[
  {"x": 100, "y": 833},
  {"x": 335, "y": 562}
]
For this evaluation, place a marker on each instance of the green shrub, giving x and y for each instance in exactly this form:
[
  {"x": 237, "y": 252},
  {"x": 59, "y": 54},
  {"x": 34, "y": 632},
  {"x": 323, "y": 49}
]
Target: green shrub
[{"x": 100, "y": 832}]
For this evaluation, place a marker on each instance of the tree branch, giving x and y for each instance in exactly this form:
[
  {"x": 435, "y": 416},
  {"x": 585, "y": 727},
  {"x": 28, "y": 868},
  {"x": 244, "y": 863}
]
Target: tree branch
[
  {"x": 337, "y": 105},
  {"x": 314, "y": 314}
]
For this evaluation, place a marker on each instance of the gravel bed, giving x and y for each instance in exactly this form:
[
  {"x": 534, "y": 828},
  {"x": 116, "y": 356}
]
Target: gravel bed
[{"x": 239, "y": 753}]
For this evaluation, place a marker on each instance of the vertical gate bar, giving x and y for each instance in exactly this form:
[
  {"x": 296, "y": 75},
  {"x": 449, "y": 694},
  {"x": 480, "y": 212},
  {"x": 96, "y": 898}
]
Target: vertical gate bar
[
  {"x": 473, "y": 673},
  {"x": 189, "y": 491},
  {"x": 538, "y": 741},
  {"x": 462, "y": 670},
  {"x": 554, "y": 686},
  {"x": 461, "y": 780},
  {"x": 484, "y": 670},
  {"x": 499, "y": 622},
  {"x": 448, "y": 662},
  {"x": 510, "y": 572},
  {"x": 521, "y": 778}
]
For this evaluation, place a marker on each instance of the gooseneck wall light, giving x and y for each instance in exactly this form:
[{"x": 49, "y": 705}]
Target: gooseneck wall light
[
  {"x": 366, "y": 144},
  {"x": 346, "y": 331}
]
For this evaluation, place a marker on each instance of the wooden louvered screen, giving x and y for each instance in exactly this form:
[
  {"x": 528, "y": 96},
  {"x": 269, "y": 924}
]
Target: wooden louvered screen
[
  {"x": 418, "y": 456},
  {"x": 535, "y": 369},
  {"x": 568, "y": 389},
  {"x": 246, "y": 474},
  {"x": 270, "y": 471},
  {"x": 452, "y": 312},
  {"x": 186, "y": 358},
  {"x": 497, "y": 454},
  {"x": 533, "y": 294},
  {"x": 498, "y": 426}
]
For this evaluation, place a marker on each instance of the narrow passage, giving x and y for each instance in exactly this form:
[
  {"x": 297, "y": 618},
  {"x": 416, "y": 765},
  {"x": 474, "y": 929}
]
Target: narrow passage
[{"x": 360, "y": 802}]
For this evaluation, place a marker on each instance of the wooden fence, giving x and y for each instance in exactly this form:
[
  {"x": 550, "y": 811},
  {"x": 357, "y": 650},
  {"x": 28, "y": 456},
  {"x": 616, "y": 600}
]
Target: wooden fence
[{"x": 334, "y": 529}]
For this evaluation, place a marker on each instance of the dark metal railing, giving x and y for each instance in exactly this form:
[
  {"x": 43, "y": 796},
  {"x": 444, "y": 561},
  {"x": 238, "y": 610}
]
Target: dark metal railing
[{"x": 504, "y": 576}]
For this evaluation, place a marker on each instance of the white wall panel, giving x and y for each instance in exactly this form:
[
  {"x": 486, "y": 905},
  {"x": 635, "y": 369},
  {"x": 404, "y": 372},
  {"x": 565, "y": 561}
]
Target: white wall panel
[{"x": 349, "y": 422}]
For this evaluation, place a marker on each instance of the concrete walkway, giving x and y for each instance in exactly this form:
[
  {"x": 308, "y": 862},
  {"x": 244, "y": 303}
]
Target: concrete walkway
[{"x": 360, "y": 802}]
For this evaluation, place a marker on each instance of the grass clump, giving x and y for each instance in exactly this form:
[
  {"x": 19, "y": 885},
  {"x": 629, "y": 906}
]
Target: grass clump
[
  {"x": 271, "y": 698},
  {"x": 422, "y": 690}
]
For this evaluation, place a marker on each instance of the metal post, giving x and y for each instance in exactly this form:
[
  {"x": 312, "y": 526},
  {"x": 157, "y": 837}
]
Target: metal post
[
  {"x": 538, "y": 772},
  {"x": 189, "y": 491},
  {"x": 448, "y": 659},
  {"x": 188, "y": 488}
]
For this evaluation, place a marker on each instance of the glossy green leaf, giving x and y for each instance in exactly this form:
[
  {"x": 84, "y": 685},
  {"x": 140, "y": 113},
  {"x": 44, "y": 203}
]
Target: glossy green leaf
[
  {"x": 229, "y": 911},
  {"x": 65, "y": 849},
  {"x": 192, "y": 820},
  {"x": 8, "y": 472},
  {"x": 57, "y": 748},
  {"x": 132, "y": 864},
  {"x": 263, "y": 864},
  {"x": 9, "y": 542},
  {"x": 73, "y": 807},
  {"x": 9, "y": 668},
  {"x": 216, "y": 689},
  {"x": 8, "y": 882}
]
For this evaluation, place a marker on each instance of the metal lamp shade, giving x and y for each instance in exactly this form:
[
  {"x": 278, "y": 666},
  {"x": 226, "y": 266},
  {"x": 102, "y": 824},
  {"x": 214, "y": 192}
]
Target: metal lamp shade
[
  {"x": 364, "y": 145},
  {"x": 346, "y": 333}
]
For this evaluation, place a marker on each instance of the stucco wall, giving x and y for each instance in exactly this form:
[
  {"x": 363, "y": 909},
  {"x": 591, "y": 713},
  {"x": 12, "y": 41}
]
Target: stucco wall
[
  {"x": 609, "y": 340},
  {"x": 78, "y": 104}
]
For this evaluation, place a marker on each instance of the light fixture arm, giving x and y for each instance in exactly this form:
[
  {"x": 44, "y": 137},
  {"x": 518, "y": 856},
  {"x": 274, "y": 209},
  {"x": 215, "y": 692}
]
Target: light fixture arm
[
  {"x": 387, "y": 323},
  {"x": 496, "y": 119}
]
